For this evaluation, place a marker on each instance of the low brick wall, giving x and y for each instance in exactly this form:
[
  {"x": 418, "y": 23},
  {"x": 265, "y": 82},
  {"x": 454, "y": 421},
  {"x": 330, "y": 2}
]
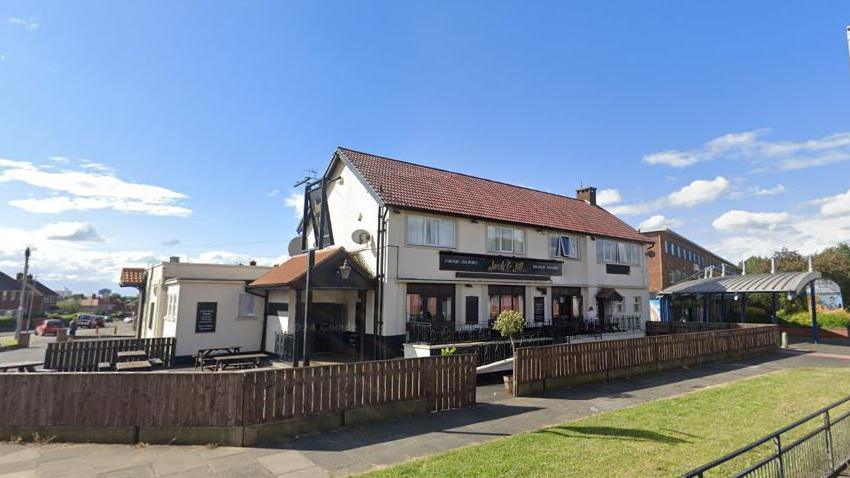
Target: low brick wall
[{"x": 823, "y": 332}]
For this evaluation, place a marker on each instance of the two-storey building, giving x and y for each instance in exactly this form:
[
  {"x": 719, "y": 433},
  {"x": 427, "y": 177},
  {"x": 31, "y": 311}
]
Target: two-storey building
[{"x": 434, "y": 245}]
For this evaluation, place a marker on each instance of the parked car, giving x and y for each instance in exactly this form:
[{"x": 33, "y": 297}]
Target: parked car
[
  {"x": 129, "y": 320},
  {"x": 49, "y": 327},
  {"x": 89, "y": 321}
]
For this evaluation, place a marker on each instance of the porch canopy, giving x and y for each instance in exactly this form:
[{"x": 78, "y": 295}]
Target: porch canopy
[
  {"x": 329, "y": 263},
  {"x": 610, "y": 295},
  {"x": 739, "y": 286}
]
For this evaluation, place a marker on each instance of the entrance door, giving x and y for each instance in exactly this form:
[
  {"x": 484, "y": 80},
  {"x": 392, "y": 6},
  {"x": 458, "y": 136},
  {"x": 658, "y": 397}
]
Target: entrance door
[
  {"x": 328, "y": 324},
  {"x": 472, "y": 310},
  {"x": 600, "y": 311}
]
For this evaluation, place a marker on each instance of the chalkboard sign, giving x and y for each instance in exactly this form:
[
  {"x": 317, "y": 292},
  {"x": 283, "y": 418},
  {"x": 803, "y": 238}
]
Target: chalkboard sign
[
  {"x": 205, "y": 319},
  {"x": 539, "y": 308}
]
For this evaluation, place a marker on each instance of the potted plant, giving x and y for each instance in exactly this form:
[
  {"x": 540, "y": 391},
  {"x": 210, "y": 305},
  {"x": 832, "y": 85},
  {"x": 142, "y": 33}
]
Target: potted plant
[{"x": 509, "y": 324}]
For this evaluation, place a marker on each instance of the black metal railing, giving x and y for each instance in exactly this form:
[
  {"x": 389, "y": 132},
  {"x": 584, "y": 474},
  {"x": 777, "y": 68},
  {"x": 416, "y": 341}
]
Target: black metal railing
[
  {"x": 817, "y": 445},
  {"x": 284, "y": 346},
  {"x": 495, "y": 351},
  {"x": 560, "y": 330}
]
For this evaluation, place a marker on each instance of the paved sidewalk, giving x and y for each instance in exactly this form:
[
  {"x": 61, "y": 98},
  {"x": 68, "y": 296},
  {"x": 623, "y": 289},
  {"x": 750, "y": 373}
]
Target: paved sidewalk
[{"x": 358, "y": 449}]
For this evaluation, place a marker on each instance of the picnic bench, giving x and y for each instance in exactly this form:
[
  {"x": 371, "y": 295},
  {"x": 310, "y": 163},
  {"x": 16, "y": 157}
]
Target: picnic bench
[
  {"x": 224, "y": 362},
  {"x": 204, "y": 357},
  {"x": 131, "y": 356},
  {"x": 135, "y": 366},
  {"x": 21, "y": 366}
]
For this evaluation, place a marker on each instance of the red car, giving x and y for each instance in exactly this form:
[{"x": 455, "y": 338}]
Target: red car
[{"x": 49, "y": 327}]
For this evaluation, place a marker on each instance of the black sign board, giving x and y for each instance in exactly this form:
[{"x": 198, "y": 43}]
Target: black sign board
[
  {"x": 617, "y": 269},
  {"x": 539, "y": 308},
  {"x": 452, "y": 261},
  {"x": 205, "y": 320}
]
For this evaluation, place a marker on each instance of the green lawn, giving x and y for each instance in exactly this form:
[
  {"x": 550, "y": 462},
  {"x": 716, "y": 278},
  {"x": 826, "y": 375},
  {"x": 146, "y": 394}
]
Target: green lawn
[
  {"x": 661, "y": 438},
  {"x": 7, "y": 341}
]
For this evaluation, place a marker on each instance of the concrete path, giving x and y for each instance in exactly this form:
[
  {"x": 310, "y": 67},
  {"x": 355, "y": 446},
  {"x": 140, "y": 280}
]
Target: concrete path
[{"x": 357, "y": 449}]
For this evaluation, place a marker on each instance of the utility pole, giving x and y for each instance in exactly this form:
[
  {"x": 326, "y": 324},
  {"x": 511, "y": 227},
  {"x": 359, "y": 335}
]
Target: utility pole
[{"x": 21, "y": 300}]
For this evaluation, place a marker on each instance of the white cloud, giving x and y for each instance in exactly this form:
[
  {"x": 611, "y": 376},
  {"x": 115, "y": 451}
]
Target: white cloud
[
  {"x": 836, "y": 205},
  {"x": 737, "y": 220},
  {"x": 227, "y": 257},
  {"x": 658, "y": 221},
  {"x": 26, "y": 23},
  {"x": 71, "y": 231},
  {"x": 778, "y": 189},
  {"x": 608, "y": 197},
  {"x": 697, "y": 192},
  {"x": 784, "y": 155},
  {"x": 171, "y": 242},
  {"x": 296, "y": 202},
  {"x": 89, "y": 190},
  {"x": 273, "y": 193}
]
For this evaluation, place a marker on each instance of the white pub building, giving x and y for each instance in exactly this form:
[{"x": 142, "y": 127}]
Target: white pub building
[{"x": 403, "y": 244}]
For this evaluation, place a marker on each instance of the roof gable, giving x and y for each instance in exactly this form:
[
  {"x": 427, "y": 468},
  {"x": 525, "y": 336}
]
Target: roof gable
[{"x": 413, "y": 186}]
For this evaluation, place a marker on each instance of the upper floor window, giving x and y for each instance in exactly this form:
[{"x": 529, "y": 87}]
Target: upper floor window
[
  {"x": 563, "y": 246},
  {"x": 429, "y": 231},
  {"x": 614, "y": 251},
  {"x": 505, "y": 239},
  {"x": 171, "y": 303}
]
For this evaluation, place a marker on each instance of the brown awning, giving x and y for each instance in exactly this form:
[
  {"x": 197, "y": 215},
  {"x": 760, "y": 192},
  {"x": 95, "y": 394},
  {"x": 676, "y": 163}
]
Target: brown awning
[
  {"x": 132, "y": 277},
  {"x": 608, "y": 294}
]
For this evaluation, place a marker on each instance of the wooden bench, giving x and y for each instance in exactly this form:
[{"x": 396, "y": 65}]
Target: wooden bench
[
  {"x": 204, "y": 357},
  {"x": 104, "y": 366},
  {"x": 131, "y": 356},
  {"x": 136, "y": 366},
  {"x": 224, "y": 362},
  {"x": 155, "y": 362},
  {"x": 21, "y": 366}
]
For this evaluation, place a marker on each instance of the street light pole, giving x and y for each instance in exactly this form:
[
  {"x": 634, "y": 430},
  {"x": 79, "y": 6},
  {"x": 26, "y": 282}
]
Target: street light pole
[{"x": 21, "y": 300}]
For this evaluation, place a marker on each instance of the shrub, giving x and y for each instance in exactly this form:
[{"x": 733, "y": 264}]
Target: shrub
[
  {"x": 833, "y": 318},
  {"x": 448, "y": 351}
]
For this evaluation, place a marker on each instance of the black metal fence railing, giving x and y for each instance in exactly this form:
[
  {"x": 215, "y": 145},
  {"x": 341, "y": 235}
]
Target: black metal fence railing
[
  {"x": 490, "y": 352},
  {"x": 284, "y": 346},
  {"x": 437, "y": 333},
  {"x": 817, "y": 445}
]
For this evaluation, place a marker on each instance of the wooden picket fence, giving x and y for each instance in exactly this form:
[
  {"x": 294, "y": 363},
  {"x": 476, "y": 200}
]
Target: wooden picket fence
[
  {"x": 670, "y": 327},
  {"x": 534, "y": 366},
  {"x": 444, "y": 382},
  {"x": 234, "y": 398},
  {"x": 84, "y": 355}
]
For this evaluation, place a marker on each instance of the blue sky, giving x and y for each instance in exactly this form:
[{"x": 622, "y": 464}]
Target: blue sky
[{"x": 130, "y": 131}]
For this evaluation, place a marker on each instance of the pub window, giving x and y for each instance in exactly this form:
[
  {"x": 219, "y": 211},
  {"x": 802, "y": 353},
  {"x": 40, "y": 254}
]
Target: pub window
[
  {"x": 246, "y": 305},
  {"x": 637, "y": 305},
  {"x": 563, "y": 246},
  {"x": 429, "y": 231},
  {"x": 505, "y": 297},
  {"x": 620, "y": 252},
  {"x": 505, "y": 239},
  {"x": 430, "y": 302},
  {"x": 618, "y": 307}
]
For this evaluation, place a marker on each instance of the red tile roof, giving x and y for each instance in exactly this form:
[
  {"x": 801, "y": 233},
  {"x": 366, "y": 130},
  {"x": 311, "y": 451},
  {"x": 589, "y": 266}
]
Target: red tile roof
[
  {"x": 407, "y": 185},
  {"x": 132, "y": 276},
  {"x": 294, "y": 268}
]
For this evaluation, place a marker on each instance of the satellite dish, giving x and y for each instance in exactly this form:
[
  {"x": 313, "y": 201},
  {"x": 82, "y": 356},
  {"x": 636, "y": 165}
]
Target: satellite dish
[
  {"x": 294, "y": 246},
  {"x": 360, "y": 236}
]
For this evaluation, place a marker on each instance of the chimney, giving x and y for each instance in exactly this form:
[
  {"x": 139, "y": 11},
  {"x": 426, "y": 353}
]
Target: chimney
[
  {"x": 810, "y": 264},
  {"x": 773, "y": 265},
  {"x": 174, "y": 259},
  {"x": 252, "y": 263},
  {"x": 20, "y": 277},
  {"x": 587, "y": 195}
]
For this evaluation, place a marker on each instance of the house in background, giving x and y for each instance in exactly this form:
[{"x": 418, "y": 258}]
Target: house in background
[
  {"x": 674, "y": 258},
  {"x": 95, "y": 304},
  {"x": 39, "y": 297}
]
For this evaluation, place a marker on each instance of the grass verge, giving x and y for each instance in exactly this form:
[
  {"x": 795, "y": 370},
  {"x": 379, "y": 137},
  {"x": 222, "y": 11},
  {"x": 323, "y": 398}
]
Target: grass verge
[{"x": 661, "y": 438}]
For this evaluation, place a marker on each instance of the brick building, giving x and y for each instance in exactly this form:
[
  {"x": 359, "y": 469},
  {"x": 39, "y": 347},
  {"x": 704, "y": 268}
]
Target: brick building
[
  {"x": 675, "y": 258},
  {"x": 39, "y": 296}
]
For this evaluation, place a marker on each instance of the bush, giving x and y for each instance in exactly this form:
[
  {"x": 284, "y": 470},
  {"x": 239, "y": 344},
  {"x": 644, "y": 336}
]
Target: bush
[{"x": 833, "y": 318}]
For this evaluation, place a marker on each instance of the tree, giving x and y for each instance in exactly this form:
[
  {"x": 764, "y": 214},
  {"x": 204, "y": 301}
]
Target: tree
[
  {"x": 509, "y": 324},
  {"x": 834, "y": 263},
  {"x": 70, "y": 305}
]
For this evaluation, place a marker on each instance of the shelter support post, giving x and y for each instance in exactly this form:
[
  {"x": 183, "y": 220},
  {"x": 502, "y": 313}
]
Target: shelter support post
[
  {"x": 743, "y": 309},
  {"x": 308, "y": 301},
  {"x": 773, "y": 299},
  {"x": 814, "y": 313},
  {"x": 706, "y": 302}
]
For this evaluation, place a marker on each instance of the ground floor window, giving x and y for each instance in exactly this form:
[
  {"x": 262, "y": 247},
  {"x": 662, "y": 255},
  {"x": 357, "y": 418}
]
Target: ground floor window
[
  {"x": 506, "y": 297},
  {"x": 566, "y": 303},
  {"x": 430, "y": 302}
]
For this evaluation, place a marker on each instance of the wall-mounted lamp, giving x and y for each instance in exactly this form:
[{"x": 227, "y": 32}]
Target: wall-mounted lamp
[
  {"x": 736, "y": 297},
  {"x": 592, "y": 238},
  {"x": 344, "y": 270},
  {"x": 542, "y": 290},
  {"x": 790, "y": 296}
]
